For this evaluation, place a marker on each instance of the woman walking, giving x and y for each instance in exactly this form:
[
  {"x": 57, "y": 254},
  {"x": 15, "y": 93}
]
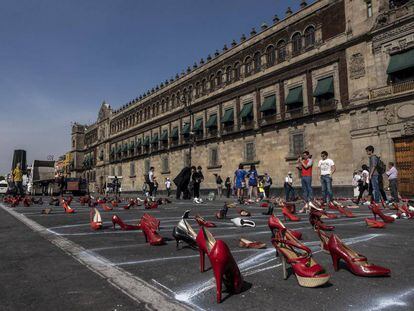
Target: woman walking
[
  {"x": 239, "y": 181},
  {"x": 253, "y": 176}
]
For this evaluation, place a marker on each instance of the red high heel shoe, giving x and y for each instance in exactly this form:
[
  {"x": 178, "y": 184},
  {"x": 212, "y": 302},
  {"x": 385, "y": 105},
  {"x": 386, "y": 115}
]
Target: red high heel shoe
[
  {"x": 66, "y": 207},
  {"x": 377, "y": 211},
  {"x": 356, "y": 263},
  {"x": 343, "y": 210},
  {"x": 150, "y": 205},
  {"x": 203, "y": 223},
  {"x": 131, "y": 203},
  {"x": 114, "y": 203},
  {"x": 324, "y": 240},
  {"x": 150, "y": 220},
  {"x": 69, "y": 199},
  {"x": 274, "y": 223},
  {"x": 308, "y": 272},
  {"x": 372, "y": 223},
  {"x": 317, "y": 223},
  {"x": 26, "y": 202},
  {"x": 286, "y": 213},
  {"x": 317, "y": 210},
  {"x": 150, "y": 232},
  {"x": 106, "y": 207},
  {"x": 124, "y": 226},
  {"x": 224, "y": 266},
  {"x": 95, "y": 218}
]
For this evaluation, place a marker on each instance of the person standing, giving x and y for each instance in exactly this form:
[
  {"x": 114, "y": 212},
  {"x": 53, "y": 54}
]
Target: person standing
[
  {"x": 363, "y": 183},
  {"x": 227, "y": 184},
  {"x": 373, "y": 173},
  {"x": 151, "y": 181},
  {"x": 197, "y": 178},
  {"x": 253, "y": 178},
  {"x": 326, "y": 170},
  {"x": 305, "y": 164},
  {"x": 219, "y": 184},
  {"x": 392, "y": 174},
  {"x": 355, "y": 181},
  {"x": 239, "y": 181},
  {"x": 168, "y": 186},
  {"x": 267, "y": 184},
  {"x": 18, "y": 179},
  {"x": 289, "y": 189},
  {"x": 181, "y": 181}
]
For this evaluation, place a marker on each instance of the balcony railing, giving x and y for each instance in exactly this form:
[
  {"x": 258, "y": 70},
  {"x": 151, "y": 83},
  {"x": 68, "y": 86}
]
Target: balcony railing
[{"x": 392, "y": 89}]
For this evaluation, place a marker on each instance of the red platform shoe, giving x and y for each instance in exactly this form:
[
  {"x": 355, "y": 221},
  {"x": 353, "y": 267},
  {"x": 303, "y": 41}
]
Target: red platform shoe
[
  {"x": 357, "y": 263},
  {"x": 286, "y": 214},
  {"x": 308, "y": 272},
  {"x": 375, "y": 209},
  {"x": 124, "y": 226},
  {"x": 203, "y": 223},
  {"x": 224, "y": 266},
  {"x": 274, "y": 223},
  {"x": 95, "y": 218}
]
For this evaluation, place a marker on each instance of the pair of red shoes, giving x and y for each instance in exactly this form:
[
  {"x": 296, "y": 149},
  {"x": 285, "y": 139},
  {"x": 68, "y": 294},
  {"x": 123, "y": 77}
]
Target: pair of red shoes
[{"x": 356, "y": 263}]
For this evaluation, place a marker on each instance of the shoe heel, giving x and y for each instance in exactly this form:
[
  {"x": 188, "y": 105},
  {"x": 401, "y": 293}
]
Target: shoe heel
[
  {"x": 178, "y": 242},
  {"x": 218, "y": 274},
  {"x": 284, "y": 268},
  {"x": 201, "y": 260},
  {"x": 335, "y": 261}
]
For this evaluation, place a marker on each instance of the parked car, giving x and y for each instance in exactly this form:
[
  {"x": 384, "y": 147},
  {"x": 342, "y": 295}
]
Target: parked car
[{"x": 3, "y": 187}]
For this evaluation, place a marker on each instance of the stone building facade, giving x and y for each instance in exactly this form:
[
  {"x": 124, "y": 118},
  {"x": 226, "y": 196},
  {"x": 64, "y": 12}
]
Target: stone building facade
[{"x": 337, "y": 75}]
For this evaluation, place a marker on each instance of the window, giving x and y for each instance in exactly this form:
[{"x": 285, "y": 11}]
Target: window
[
  {"x": 228, "y": 74},
  {"x": 297, "y": 144},
  {"x": 248, "y": 66},
  {"x": 270, "y": 56},
  {"x": 369, "y": 8},
  {"x": 73, "y": 143},
  {"x": 197, "y": 89},
  {"x": 236, "y": 71},
  {"x": 165, "y": 166},
  {"x": 131, "y": 169},
  {"x": 204, "y": 86},
  {"x": 250, "y": 152},
  {"x": 257, "y": 61},
  {"x": 297, "y": 43},
  {"x": 309, "y": 36},
  {"x": 146, "y": 166},
  {"x": 281, "y": 51},
  {"x": 214, "y": 160},
  {"x": 219, "y": 78},
  {"x": 212, "y": 84},
  {"x": 120, "y": 170}
]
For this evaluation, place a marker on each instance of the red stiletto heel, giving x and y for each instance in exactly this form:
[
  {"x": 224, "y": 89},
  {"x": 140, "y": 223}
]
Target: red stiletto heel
[
  {"x": 149, "y": 226},
  {"x": 66, "y": 207},
  {"x": 357, "y": 264},
  {"x": 224, "y": 266},
  {"x": 343, "y": 210},
  {"x": 274, "y": 223},
  {"x": 286, "y": 213},
  {"x": 117, "y": 220},
  {"x": 377, "y": 211},
  {"x": 95, "y": 219},
  {"x": 203, "y": 223}
]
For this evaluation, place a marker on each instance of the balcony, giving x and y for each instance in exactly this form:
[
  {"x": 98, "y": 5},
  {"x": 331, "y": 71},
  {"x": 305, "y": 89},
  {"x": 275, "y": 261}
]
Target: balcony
[{"x": 391, "y": 90}]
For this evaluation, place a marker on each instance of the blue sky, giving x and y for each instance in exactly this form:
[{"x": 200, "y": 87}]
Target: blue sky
[{"x": 60, "y": 59}]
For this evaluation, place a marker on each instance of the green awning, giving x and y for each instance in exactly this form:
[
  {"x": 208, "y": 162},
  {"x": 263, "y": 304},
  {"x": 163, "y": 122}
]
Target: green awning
[
  {"x": 146, "y": 142},
  {"x": 131, "y": 145},
  {"x": 294, "y": 96},
  {"x": 198, "y": 125},
  {"x": 228, "y": 116},
  {"x": 212, "y": 121},
  {"x": 174, "y": 133},
  {"x": 269, "y": 104},
  {"x": 247, "y": 111},
  {"x": 124, "y": 147},
  {"x": 154, "y": 139},
  {"x": 164, "y": 136},
  {"x": 401, "y": 61},
  {"x": 324, "y": 87},
  {"x": 186, "y": 129}
]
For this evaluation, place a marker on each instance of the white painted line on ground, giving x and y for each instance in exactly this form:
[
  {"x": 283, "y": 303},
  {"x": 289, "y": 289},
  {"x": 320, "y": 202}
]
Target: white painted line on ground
[
  {"x": 131, "y": 285},
  {"x": 386, "y": 303}
]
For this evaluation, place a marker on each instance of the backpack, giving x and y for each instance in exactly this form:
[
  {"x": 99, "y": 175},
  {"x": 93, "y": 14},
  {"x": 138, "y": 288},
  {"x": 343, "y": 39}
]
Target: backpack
[{"x": 381, "y": 167}]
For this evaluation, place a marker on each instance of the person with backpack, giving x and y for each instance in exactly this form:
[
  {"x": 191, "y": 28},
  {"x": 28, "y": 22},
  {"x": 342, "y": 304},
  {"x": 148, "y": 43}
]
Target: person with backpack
[
  {"x": 267, "y": 183},
  {"x": 376, "y": 168}
]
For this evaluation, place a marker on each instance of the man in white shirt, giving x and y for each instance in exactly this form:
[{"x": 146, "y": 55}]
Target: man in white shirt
[{"x": 326, "y": 170}]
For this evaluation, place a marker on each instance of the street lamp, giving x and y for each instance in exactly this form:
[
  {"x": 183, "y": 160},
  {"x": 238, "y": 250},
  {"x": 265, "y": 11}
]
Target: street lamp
[{"x": 187, "y": 109}]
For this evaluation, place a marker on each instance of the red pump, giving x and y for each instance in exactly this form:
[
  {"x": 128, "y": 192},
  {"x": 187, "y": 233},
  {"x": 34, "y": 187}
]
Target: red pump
[
  {"x": 203, "y": 223},
  {"x": 286, "y": 213},
  {"x": 274, "y": 223},
  {"x": 358, "y": 264},
  {"x": 117, "y": 220},
  {"x": 377, "y": 211},
  {"x": 224, "y": 266}
]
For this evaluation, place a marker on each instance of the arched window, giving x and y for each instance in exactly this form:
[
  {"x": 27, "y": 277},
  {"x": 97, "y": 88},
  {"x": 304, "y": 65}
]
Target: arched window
[
  {"x": 236, "y": 71},
  {"x": 296, "y": 43},
  {"x": 270, "y": 56},
  {"x": 167, "y": 104},
  {"x": 204, "y": 86},
  {"x": 212, "y": 84},
  {"x": 197, "y": 89},
  {"x": 309, "y": 36},
  {"x": 178, "y": 100},
  {"x": 281, "y": 51},
  {"x": 257, "y": 61},
  {"x": 219, "y": 78},
  {"x": 190, "y": 92},
  {"x": 228, "y": 74},
  {"x": 248, "y": 66}
]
